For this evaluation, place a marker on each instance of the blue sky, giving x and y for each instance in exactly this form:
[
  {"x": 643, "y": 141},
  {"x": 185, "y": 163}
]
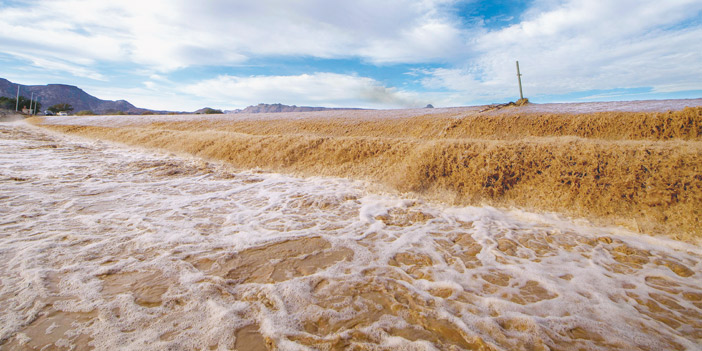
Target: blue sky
[{"x": 184, "y": 55}]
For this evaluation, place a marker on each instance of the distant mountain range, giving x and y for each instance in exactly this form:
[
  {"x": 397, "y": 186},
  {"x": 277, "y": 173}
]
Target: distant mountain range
[
  {"x": 272, "y": 108},
  {"x": 53, "y": 94}
]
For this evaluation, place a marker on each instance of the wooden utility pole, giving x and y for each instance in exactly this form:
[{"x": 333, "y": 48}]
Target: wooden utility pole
[
  {"x": 17, "y": 101},
  {"x": 519, "y": 77}
]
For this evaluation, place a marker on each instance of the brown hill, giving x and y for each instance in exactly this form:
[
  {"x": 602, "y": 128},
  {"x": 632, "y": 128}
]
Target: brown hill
[
  {"x": 273, "y": 108},
  {"x": 53, "y": 94}
]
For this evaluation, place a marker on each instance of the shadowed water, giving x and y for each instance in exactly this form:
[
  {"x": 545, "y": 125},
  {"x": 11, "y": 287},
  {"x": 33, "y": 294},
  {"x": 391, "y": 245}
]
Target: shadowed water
[{"x": 104, "y": 247}]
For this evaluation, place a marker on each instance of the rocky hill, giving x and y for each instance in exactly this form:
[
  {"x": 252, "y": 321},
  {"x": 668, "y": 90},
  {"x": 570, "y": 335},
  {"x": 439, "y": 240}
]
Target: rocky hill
[
  {"x": 272, "y": 108},
  {"x": 52, "y": 94}
]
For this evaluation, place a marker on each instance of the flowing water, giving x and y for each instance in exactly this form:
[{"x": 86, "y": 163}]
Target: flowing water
[{"x": 104, "y": 247}]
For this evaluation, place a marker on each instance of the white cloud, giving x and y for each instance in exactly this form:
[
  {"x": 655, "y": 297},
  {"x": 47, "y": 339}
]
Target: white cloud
[
  {"x": 563, "y": 46},
  {"x": 51, "y": 64},
  {"x": 171, "y": 34},
  {"x": 152, "y": 96},
  {"x": 325, "y": 89},
  {"x": 585, "y": 45}
]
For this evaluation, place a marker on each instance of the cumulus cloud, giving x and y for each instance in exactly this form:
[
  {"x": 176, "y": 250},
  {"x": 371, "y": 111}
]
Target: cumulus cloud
[
  {"x": 563, "y": 46},
  {"x": 581, "y": 45},
  {"x": 326, "y": 89},
  {"x": 171, "y": 34}
]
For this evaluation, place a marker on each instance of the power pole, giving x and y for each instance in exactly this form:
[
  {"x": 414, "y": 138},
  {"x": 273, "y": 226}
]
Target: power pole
[
  {"x": 30, "y": 103},
  {"x": 17, "y": 101},
  {"x": 519, "y": 77}
]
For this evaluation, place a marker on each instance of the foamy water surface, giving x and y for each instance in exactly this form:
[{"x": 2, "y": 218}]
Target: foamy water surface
[{"x": 105, "y": 247}]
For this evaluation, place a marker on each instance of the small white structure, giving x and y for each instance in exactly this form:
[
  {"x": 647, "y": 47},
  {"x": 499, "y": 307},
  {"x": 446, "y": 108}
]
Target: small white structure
[{"x": 62, "y": 113}]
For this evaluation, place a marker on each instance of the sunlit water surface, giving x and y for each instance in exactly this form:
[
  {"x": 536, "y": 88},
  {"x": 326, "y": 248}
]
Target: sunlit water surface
[{"x": 104, "y": 247}]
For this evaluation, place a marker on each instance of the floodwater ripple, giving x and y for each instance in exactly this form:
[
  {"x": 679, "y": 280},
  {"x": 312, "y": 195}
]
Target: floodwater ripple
[{"x": 105, "y": 247}]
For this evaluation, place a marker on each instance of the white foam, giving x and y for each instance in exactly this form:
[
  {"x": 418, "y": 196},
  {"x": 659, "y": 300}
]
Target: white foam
[{"x": 72, "y": 211}]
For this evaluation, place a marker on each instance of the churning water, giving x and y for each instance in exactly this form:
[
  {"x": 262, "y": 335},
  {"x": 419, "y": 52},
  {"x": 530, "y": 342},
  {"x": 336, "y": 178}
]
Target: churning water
[{"x": 105, "y": 247}]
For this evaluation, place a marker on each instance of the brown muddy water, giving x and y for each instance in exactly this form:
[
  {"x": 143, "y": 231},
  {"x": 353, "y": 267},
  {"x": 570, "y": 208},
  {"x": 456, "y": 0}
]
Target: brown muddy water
[{"x": 106, "y": 247}]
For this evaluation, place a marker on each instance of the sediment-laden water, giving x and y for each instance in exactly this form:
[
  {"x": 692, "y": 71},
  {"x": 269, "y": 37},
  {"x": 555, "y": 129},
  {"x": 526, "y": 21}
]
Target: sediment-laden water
[{"x": 105, "y": 247}]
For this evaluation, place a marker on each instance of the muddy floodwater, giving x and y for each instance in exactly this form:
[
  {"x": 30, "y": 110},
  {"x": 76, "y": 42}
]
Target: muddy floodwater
[{"x": 109, "y": 248}]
